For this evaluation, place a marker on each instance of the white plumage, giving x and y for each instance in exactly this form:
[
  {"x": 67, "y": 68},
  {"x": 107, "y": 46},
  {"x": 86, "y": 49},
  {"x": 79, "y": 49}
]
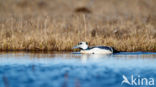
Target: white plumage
[{"x": 85, "y": 49}]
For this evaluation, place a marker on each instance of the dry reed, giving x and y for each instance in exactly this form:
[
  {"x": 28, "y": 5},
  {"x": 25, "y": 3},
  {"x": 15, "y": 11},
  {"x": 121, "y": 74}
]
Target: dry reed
[{"x": 55, "y": 25}]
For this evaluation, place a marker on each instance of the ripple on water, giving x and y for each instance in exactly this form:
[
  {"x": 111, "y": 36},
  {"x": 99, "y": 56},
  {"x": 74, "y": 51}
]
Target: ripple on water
[{"x": 73, "y": 70}]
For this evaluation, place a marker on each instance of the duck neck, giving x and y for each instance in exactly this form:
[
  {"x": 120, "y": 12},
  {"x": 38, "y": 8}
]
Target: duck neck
[{"x": 85, "y": 48}]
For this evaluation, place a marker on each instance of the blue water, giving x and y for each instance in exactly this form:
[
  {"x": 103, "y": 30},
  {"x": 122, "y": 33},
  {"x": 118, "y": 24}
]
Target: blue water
[{"x": 75, "y": 70}]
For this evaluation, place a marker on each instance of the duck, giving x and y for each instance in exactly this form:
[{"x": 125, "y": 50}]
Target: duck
[{"x": 85, "y": 49}]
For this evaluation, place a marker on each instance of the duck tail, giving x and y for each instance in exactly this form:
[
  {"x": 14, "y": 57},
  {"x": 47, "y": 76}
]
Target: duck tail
[{"x": 115, "y": 51}]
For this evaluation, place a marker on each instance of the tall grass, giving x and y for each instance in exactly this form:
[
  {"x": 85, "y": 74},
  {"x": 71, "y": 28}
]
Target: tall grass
[{"x": 55, "y": 25}]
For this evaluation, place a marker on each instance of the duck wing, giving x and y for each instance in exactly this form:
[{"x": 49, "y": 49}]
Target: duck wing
[
  {"x": 103, "y": 47},
  {"x": 106, "y": 48}
]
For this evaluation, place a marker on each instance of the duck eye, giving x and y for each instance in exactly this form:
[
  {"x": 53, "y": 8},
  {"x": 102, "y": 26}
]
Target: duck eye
[{"x": 79, "y": 43}]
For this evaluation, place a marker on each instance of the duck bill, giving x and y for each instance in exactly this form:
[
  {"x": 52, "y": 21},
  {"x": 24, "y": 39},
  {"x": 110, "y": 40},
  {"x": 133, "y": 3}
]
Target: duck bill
[{"x": 75, "y": 47}]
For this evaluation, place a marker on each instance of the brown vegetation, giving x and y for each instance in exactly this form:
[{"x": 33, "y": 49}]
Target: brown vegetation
[{"x": 58, "y": 25}]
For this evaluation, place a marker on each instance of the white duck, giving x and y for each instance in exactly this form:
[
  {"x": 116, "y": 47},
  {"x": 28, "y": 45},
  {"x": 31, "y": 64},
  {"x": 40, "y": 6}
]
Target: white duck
[{"x": 85, "y": 49}]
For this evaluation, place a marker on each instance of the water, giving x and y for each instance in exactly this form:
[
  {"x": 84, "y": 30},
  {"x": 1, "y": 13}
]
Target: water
[{"x": 76, "y": 70}]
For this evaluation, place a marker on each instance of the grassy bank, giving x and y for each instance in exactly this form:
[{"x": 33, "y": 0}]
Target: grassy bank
[{"x": 57, "y": 25}]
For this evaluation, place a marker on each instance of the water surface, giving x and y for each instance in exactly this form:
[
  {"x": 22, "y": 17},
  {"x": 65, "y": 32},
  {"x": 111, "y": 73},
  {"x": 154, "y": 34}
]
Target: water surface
[{"x": 74, "y": 69}]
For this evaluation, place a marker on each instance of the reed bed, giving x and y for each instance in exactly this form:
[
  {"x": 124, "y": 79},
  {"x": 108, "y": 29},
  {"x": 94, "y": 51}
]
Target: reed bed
[{"x": 56, "y": 25}]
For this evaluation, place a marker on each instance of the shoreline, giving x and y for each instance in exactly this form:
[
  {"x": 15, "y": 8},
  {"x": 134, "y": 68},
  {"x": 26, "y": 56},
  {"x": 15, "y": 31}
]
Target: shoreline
[{"x": 41, "y": 51}]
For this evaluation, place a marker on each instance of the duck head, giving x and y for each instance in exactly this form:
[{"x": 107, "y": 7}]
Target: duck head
[{"x": 81, "y": 45}]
